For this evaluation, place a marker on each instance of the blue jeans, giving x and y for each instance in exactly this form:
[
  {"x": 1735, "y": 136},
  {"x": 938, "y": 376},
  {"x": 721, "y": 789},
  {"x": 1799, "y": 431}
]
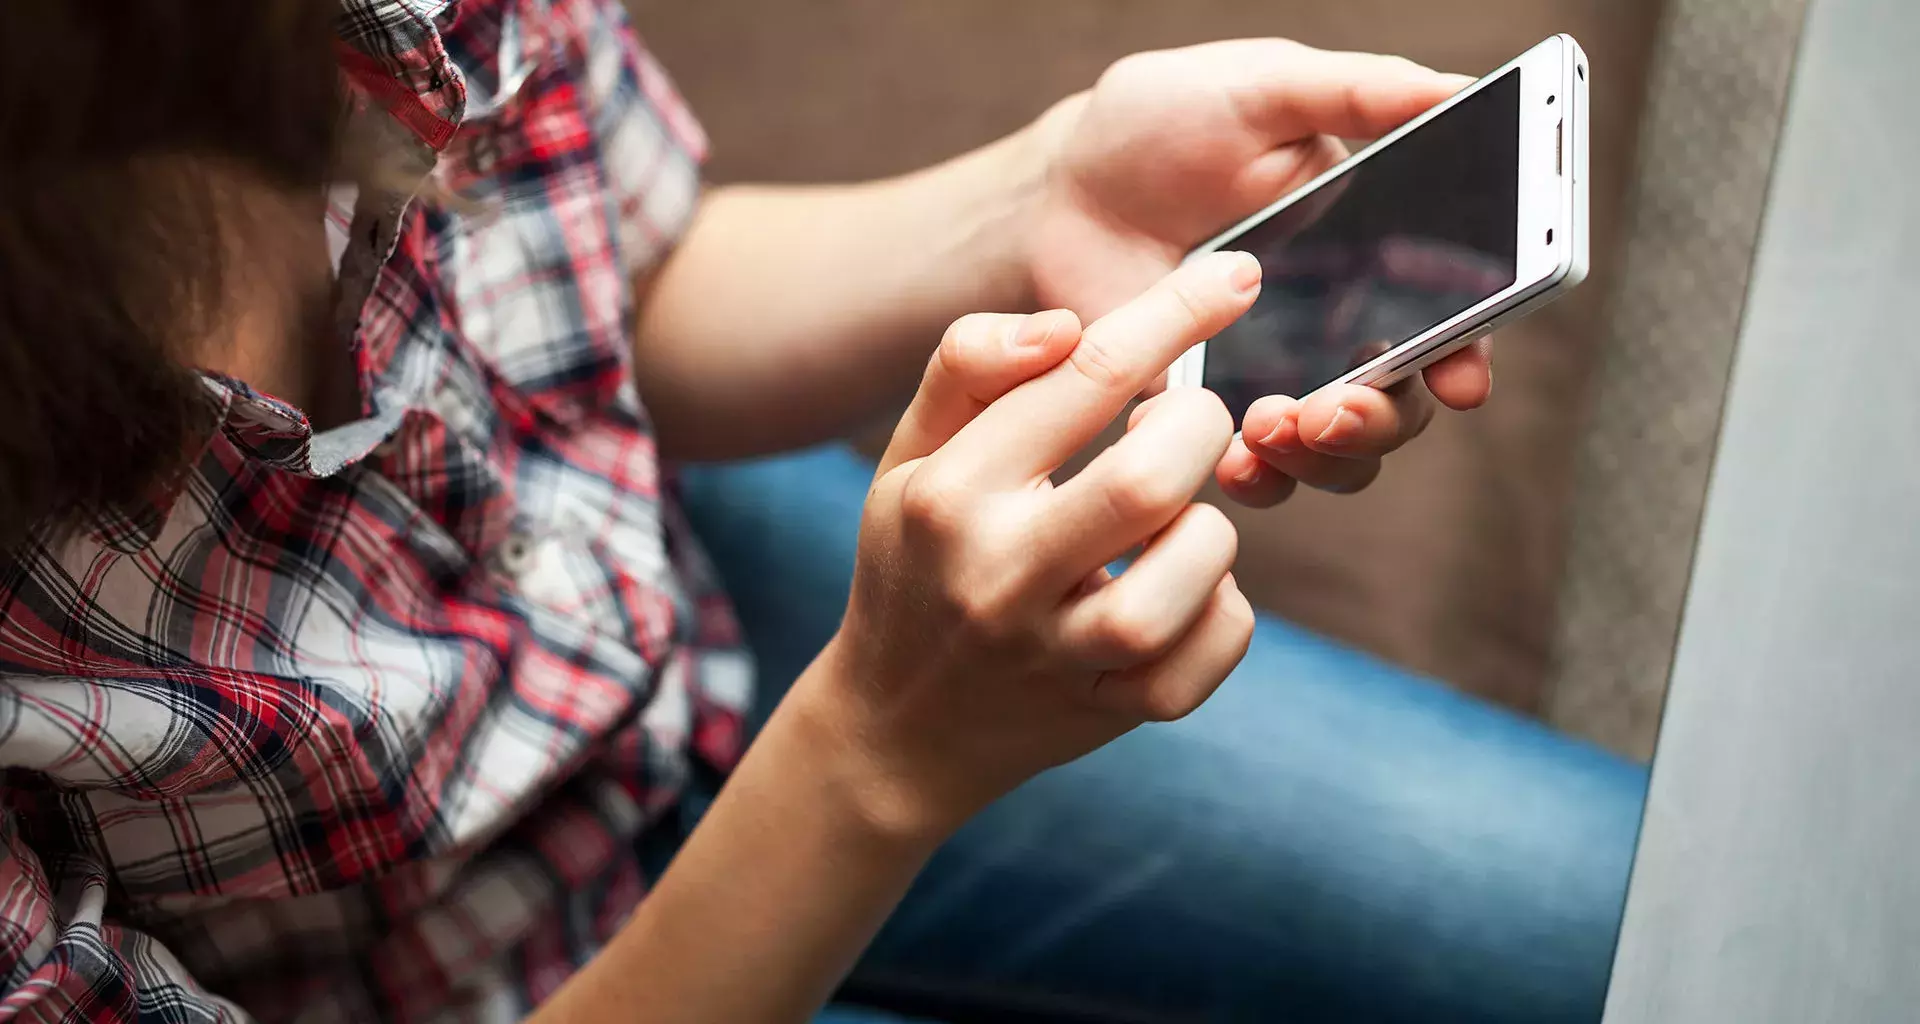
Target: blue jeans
[{"x": 1329, "y": 838}]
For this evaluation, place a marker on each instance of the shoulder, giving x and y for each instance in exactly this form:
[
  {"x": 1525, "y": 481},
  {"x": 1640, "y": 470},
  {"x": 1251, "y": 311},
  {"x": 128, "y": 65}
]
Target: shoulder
[{"x": 500, "y": 45}]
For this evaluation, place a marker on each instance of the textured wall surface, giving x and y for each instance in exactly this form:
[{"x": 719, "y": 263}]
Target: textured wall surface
[{"x": 1707, "y": 143}]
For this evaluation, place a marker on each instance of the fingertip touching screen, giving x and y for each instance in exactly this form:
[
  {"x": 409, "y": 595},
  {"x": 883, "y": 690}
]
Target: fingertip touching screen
[{"x": 1396, "y": 245}]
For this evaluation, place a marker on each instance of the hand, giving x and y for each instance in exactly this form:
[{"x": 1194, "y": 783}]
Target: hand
[
  {"x": 984, "y": 640},
  {"x": 1170, "y": 148}
]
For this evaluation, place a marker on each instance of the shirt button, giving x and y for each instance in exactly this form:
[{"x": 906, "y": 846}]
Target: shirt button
[
  {"x": 514, "y": 556},
  {"x": 448, "y": 406},
  {"x": 483, "y": 153}
]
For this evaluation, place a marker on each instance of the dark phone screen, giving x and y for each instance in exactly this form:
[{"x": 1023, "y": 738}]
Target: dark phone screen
[{"x": 1403, "y": 241}]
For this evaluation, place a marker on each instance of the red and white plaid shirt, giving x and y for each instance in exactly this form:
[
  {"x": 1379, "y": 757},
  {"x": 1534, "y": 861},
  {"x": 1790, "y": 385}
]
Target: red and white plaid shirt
[{"x": 365, "y": 723}]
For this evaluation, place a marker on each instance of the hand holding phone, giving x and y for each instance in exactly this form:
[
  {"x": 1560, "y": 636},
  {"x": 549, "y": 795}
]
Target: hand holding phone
[{"x": 1466, "y": 218}]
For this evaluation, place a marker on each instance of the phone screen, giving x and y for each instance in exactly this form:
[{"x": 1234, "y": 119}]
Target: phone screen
[{"x": 1402, "y": 241}]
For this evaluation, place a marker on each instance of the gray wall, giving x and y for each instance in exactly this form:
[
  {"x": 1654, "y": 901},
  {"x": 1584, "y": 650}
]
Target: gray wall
[{"x": 1779, "y": 874}]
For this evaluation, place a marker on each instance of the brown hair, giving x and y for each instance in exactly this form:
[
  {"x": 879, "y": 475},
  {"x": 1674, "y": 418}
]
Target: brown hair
[{"x": 112, "y": 261}]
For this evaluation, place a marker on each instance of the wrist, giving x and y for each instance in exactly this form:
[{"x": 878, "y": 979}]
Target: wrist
[
  {"x": 1032, "y": 159},
  {"x": 826, "y": 725},
  {"x": 995, "y": 196}
]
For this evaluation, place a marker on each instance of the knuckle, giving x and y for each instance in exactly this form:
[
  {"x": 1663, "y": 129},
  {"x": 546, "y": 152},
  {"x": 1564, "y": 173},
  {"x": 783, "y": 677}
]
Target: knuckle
[
  {"x": 985, "y": 611},
  {"x": 1131, "y": 634},
  {"x": 989, "y": 608},
  {"x": 1217, "y": 532},
  {"x": 1355, "y": 103},
  {"x": 1133, "y": 67},
  {"x": 984, "y": 579},
  {"x": 1402, "y": 66},
  {"x": 1095, "y": 360},
  {"x": 889, "y": 488},
  {"x": 1136, "y": 489},
  {"x": 934, "y": 503}
]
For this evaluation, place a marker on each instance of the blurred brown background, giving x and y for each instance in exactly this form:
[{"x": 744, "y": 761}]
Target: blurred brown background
[{"x": 1450, "y": 564}]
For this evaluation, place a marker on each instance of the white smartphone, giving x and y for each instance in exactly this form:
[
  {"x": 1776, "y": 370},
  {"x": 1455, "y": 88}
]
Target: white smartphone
[{"x": 1469, "y": 217}]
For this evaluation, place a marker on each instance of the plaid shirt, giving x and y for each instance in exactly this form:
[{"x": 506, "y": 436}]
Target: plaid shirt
[{"x": 365, "y": 723}]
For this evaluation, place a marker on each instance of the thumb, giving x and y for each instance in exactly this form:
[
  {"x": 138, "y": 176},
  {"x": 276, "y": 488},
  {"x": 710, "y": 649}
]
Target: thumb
[
  {"x": 982, "y": 357},
  {"x": 1288, "y": 92}
]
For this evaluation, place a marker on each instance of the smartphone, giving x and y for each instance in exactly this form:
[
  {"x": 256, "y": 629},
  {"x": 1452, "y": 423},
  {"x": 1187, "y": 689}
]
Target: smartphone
[{"x": 1465, "y": 219}]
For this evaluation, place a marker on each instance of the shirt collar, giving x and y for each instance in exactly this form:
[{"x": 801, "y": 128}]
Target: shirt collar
[
  {"x": 392, "y": 49},
  {"x": 400, "y": 73}
]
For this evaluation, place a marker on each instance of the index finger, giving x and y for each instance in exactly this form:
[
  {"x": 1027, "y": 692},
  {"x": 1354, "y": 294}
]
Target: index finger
[
  {"x": 982, "y": 356},
  {"x": 1039, "y": 425}
]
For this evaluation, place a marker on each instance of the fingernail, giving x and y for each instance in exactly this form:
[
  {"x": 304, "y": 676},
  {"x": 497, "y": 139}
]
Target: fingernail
[
  {"x": 1245, "y": 272},
  {"x": 1283, "y": 438},
  {"x": 1342, "y": 429},
  {"x": 1246, "y": 477},
  {"x": 1041, "y": 329}
]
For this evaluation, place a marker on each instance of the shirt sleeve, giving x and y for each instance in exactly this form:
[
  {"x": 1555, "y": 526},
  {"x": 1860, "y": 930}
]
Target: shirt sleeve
[{"x": 62, "y": 960}]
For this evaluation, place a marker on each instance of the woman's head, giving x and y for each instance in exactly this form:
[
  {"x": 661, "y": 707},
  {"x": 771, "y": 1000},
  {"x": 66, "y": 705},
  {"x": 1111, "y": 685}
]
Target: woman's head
[{"x": 153, "y": 154}]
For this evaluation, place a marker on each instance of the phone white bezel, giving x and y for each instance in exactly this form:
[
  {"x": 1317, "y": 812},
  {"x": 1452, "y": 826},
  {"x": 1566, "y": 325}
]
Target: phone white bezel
[{"x": 1552, "y": 195}]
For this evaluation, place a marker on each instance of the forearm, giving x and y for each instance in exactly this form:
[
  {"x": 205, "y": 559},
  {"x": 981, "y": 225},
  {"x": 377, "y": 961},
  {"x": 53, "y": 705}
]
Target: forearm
[
  {"x": 790, "y": 315},
  {"x": 773, "y": 897}
]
